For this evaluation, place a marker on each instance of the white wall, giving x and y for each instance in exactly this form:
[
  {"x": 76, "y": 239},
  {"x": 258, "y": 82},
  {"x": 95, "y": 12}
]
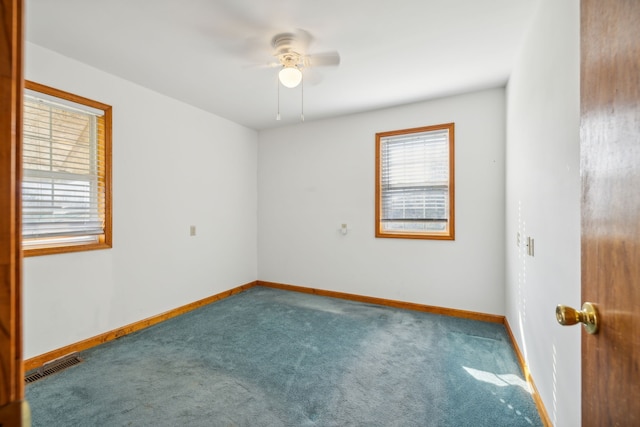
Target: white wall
[
  {"x": 317, "y": 175},
  {"x": 543, "y": 201},
  {"x": 173, "y": 166}
]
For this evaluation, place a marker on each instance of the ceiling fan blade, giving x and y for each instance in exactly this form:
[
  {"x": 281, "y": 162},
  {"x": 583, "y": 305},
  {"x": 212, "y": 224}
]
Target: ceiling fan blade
[
  {"x": 324, "y": 59},
  {"x": 249, "y": 48},
  {"x": 264, "y": 65},
  {"x": 312, "y": 76}
]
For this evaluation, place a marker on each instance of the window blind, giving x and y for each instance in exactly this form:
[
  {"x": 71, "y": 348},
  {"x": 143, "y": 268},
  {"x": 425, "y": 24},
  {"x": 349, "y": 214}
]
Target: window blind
[
  {"x": 415, "y": 181},
  {"x": 63, "y": 188}
]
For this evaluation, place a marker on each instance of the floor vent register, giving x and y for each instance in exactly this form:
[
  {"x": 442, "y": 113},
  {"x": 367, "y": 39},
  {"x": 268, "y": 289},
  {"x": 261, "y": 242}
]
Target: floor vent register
[{"x": 52, "y": 367}]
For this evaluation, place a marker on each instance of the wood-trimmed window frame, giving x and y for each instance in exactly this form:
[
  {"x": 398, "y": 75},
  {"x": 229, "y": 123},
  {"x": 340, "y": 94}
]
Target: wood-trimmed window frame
[
  {"x": 104, "y": 240},
  {"x": 449, "y": 232}
]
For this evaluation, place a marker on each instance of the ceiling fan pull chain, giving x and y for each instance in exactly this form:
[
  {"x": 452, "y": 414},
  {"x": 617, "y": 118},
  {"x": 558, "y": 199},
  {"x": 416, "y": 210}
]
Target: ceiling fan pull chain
[
  {"x": 302, "y": 98},
  {"x": 278, "y": 85}
]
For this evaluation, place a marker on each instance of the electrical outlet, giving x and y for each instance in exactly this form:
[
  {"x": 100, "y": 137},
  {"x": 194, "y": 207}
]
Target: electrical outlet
[{"x": 192, "y": 230}]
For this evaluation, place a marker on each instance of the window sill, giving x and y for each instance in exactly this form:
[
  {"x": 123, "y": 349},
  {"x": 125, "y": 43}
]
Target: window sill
[{"x": 61, "y": 249}]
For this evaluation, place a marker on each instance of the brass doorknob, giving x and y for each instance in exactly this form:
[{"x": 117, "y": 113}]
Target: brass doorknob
[{"x": 588, "y": 316}]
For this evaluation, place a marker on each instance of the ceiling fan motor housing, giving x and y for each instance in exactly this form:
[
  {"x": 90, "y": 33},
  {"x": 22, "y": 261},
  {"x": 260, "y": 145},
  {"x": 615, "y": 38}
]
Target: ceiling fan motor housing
[{"x": 284, "y": 45}]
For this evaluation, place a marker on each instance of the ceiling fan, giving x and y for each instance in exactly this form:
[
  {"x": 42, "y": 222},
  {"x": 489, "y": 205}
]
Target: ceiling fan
[{"x": 290, "y": 49}]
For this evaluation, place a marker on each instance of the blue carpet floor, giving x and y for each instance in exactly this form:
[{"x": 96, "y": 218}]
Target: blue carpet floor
[{"x": 268, "y": 357}]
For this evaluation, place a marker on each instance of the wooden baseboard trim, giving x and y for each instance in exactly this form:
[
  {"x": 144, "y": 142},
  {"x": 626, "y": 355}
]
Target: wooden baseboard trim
[
  {"x": 544, "y": 416},
  {"x": 36, "y": 362},
  {"x": 387, "y": 302}
]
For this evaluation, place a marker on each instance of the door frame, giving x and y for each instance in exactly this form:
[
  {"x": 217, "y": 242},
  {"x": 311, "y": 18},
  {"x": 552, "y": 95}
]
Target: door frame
[{"x": 13, "y": 407}]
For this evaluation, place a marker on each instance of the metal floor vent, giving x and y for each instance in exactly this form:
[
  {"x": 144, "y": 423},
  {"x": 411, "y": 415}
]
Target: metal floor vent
[{"x": 52, "y": 367}]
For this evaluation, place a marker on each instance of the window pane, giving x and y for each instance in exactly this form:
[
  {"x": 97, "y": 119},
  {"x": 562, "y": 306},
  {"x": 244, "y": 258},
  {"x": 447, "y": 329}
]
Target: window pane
[
  {"x": 414, "y": 179},
  {"x": 59, "y": 207},
  {"x": 65, "y": 161}
]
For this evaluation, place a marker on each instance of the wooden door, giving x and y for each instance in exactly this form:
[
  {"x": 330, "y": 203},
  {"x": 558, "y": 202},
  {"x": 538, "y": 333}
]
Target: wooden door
[
  {"x": 13, "y": 410},
  {"x": 610, "y": 168}
]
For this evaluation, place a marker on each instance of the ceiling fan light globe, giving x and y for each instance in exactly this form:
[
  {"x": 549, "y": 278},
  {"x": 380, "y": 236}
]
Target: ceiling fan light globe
[{"x": 290, "y": 77}]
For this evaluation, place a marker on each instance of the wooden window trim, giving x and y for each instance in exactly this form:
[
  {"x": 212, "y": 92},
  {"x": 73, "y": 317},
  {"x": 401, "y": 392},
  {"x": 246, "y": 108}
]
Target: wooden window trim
[
  {"x": 105, "y": 239},
  {"x": 449, "y": 234}
]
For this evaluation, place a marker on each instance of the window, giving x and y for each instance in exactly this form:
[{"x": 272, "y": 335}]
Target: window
[
  {"x": 66, "y": 179},
  {"x": 414, "y": 183}
]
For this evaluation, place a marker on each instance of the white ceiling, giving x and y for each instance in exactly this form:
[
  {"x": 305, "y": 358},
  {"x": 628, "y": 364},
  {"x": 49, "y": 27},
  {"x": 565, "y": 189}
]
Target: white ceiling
[{"x": 206, "y": 52}]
